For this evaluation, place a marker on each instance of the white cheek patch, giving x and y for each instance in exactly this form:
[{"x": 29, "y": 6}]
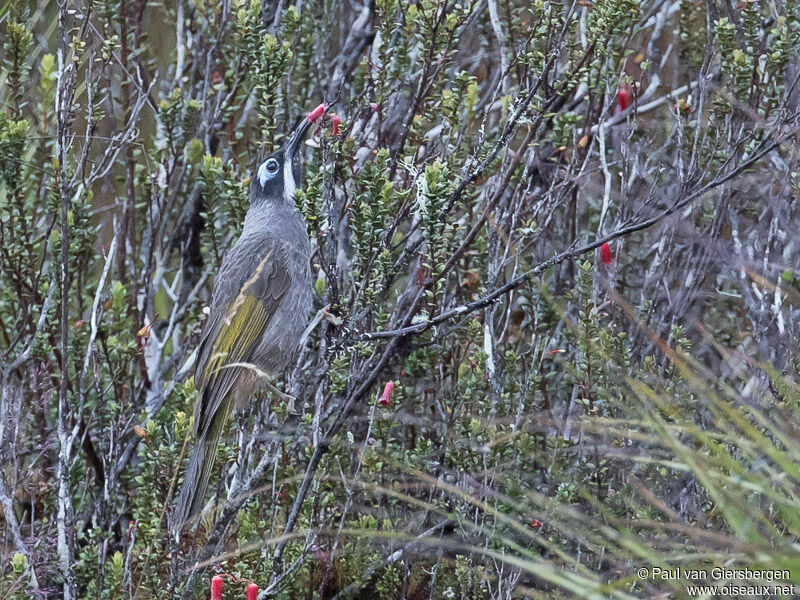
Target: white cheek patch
[
  {"x": 289, "y": 185},
  {"x": 262, "y": 174}
]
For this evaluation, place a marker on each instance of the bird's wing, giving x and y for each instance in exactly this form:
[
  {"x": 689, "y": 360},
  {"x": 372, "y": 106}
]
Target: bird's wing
[{"x": 252, "y": 281}]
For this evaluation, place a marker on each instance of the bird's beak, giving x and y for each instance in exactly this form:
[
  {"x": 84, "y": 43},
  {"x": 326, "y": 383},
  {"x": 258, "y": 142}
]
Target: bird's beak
[
  {"x": 302, "y": 130},
  {"x": 297, "y": 138}
]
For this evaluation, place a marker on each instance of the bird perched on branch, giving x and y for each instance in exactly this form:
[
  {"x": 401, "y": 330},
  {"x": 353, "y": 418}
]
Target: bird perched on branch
[{"x": 259, "y": 309}]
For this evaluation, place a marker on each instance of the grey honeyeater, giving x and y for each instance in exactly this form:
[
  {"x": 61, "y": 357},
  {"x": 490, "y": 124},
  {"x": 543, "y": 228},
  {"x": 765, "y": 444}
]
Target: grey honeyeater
[{"x": 259, "y": 309}]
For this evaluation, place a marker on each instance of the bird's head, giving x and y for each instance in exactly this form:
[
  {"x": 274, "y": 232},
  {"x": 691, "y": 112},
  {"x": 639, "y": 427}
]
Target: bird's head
[{"x": 280, "y": 174}]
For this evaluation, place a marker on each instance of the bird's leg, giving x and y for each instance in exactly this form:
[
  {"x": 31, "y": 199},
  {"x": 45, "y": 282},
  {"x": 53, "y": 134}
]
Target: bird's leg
[
  {"x": 322, "y": 313},
  {"x": 332, "y": 319},
  {"x": 283, "y": 396}
]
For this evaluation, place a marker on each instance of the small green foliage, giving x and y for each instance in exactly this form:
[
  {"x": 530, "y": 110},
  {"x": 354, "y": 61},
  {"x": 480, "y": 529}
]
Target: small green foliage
[{"x": 17, "y": 45}]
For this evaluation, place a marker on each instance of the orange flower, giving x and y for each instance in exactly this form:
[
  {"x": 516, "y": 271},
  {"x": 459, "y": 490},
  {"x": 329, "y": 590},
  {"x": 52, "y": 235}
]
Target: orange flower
[
  {"x": 216, "y": 587},
  {"x": 624, "y": 96},
  {"x": 386, "y": 398},
  {"x": 316, "y": 113},
  {"x": 605, "y": 254},
  {"x": 252, "y": 591}
]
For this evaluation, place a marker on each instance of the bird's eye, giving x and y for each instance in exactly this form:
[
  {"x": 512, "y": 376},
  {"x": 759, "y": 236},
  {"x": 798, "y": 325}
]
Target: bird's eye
[{"x": 267, "y": 170}]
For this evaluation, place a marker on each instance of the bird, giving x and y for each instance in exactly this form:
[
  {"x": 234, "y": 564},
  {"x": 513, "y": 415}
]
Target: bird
[{"x": 259, "y": 309}]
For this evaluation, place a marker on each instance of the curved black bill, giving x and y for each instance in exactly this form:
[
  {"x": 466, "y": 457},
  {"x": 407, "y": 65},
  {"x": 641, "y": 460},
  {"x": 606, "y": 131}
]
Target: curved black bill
[{"x": 297, "y": 138}]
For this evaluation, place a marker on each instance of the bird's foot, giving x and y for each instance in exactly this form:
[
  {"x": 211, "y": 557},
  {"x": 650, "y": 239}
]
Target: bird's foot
[
  {"x": 287, "y": 399},
  {"x": 322, "y": 313},
  {"x": 331, "y": 318}
]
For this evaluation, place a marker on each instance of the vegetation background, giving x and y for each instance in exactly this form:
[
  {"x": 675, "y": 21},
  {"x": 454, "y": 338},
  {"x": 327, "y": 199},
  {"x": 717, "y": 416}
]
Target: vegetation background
[{"x": 565, "y": 231}]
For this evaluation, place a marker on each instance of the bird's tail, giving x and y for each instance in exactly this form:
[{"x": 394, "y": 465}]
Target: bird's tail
[{"x": 195, "y": 480}]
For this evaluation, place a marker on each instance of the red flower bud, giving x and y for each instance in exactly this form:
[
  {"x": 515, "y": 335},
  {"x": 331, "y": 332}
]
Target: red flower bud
[
  {"x": 624, "y": 96},
  {"x": 216, "y": 587},
  {"x": 605, "y": 254},
  {"x": 536, "y": 523},
  {"x": 374, "y": 106},
  {"x": 316, "y": 113},
  {"x": 252, "y": 591},
  {"x": 386, "y": 398},
  {"x": 336, "y": 121}
]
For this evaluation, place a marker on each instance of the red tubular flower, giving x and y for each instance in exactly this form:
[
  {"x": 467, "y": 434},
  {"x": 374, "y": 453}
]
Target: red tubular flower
[
  {"x": 316, "y": 113},
  {"x": 336, "y": 121},
  {"x": 624, "y": 96},
  {"x": 216, "y": 587},
  {"x": 252, "y": 591},
  {"x": 386, "y": 398},
  {"x": 605, "y": 254}
]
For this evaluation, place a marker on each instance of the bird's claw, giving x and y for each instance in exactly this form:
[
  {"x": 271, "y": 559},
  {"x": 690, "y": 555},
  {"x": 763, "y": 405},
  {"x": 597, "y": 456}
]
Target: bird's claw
[
  {"x": 331, "y": 318},
  {"x": 287, "y": 399}
]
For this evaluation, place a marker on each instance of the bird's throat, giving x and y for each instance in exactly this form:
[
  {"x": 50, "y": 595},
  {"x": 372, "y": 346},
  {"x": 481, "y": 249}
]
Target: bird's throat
[{"x": 289, "y": 184}]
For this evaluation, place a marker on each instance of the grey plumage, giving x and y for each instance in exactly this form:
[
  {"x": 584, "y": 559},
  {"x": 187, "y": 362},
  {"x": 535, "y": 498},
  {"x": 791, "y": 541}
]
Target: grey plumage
[{"x": 260, "y": 307}]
